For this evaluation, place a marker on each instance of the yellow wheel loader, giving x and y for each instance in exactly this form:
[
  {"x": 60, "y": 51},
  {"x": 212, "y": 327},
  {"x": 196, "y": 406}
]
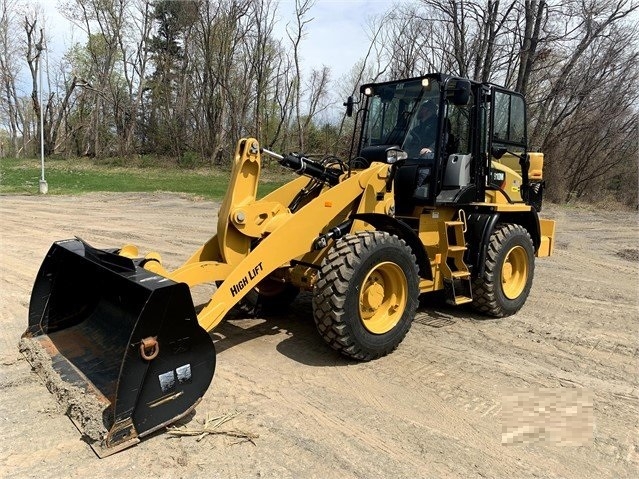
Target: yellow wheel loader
[{"x": 449, "y": 204}]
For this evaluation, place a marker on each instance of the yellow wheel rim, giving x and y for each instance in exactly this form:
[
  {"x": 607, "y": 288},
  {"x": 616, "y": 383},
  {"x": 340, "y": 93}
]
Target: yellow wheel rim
[
  {"x": 514, "y": 272},
  {"x": 382, "y": 298}
]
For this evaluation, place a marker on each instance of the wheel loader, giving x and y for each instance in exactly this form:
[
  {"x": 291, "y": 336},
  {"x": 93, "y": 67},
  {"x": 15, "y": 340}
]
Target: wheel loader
[{"x": 367, "y": 236}]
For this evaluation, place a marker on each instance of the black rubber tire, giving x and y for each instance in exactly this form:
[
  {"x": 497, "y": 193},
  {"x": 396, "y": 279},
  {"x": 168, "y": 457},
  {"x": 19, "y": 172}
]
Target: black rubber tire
[
  {"x": 274, "y": 301},
  {"x": 336, "y": 296},
  {"x": 488, "y": 293}
]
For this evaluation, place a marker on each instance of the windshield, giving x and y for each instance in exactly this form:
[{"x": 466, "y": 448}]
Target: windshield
[{"x": 403, "y": 114}]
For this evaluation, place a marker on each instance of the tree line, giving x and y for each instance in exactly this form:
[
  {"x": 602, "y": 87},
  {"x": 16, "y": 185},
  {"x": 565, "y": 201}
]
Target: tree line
[{"x": 187, "y": 78}]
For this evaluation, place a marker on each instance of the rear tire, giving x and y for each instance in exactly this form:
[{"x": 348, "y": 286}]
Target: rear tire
[
  {"x": 367, "y": 294},
  {"x": 508, "y": 272}
]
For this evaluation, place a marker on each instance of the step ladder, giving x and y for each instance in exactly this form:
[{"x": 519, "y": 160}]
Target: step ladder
[{"x": 455, "y": 273}]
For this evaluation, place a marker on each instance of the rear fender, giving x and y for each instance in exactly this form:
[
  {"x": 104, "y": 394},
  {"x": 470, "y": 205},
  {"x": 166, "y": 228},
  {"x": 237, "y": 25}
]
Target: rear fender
[{"x": 482, "y": 225}]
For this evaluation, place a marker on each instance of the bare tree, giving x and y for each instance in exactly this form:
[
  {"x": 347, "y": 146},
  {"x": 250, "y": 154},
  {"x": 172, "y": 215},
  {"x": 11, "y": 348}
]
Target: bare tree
[
  {"x": 188, "y": 78},
  {"x": 132, "y": 42},
  {"x": 296, "y": 35},
  {"x": 535, "y": 14},
  {"x": 594, "y": 21},
  {"x": 12, "y": 116},
  {"x": 35, "y": 46}
]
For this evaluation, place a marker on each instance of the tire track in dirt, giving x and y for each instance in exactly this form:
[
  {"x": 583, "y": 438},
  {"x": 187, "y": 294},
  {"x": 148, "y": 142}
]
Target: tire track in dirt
[{"x": 430, "y": 409}]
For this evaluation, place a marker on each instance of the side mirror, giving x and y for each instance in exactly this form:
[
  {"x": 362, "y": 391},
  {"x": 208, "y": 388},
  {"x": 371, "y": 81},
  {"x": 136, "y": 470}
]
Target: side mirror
[
  {"x": 497, "y": 153},
  {"x": 461, "y": 93},
  {"x": 349, "y": 106}
]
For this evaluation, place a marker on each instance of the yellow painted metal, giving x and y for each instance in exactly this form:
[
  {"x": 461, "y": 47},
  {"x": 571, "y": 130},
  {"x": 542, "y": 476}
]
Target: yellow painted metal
[
  {"x": 209, "y": 251},
  {"x": 371, "y": 203},
  {"x": 430, "y": 237},
  {"x": 427, "y": 286},
  {"x": 506, "y": 207},
  {"x": 509, "y": 165},
  {"x": 536, "y": 169},
  {"x": 129, "y": 251},
  {"x": 452, "y": 268},
  {"x": 514, "y": 272},
  {"x": 285, "y": 193},
  {"x": 383, "y": 297},
  {"x": 154, "y": 256},
  {"x": 511, "y": 185},
  {"x": 154, "y": 263},
  {"x": 509, "y": 161},
  {"x": 201, "y": 272},
  {"x": 250, "y": 219},
  {"x": 213, "y": 261},
  {"x": 227, "y": 257},
  {"x": 229, "y": 260},
  {"x": 547, "y": 245},
  {"x": 242, "y": 190},
  {"x": 451, "y": 247}
]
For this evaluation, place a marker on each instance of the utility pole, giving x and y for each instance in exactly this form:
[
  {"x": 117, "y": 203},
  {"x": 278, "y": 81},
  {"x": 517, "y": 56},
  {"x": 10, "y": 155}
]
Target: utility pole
[{"x": 44, "y": 187}]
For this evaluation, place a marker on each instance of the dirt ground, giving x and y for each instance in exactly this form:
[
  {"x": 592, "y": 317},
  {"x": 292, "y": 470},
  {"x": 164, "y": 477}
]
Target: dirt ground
[{"x": 550, "y": 392}]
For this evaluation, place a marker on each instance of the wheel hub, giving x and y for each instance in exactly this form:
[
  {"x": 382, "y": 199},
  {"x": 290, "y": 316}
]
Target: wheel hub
[
  {"x": 514, "y": 272},
  {"x": 383, "y": 297},
  {"x": 373, "y": 293}
]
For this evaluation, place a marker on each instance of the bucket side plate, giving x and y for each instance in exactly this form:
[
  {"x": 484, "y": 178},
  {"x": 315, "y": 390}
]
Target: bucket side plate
[{"x": 90, "y": 311}]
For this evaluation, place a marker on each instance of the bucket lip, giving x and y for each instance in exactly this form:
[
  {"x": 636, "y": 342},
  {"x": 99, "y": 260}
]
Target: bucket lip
[
  {"x": 83, "y": 402},
  {"x": 75, "y": 269},
  {"x": 36, "y": 350}
]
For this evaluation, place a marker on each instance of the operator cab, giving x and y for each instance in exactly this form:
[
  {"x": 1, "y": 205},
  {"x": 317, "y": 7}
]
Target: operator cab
[{"x": 444, "y": 125}]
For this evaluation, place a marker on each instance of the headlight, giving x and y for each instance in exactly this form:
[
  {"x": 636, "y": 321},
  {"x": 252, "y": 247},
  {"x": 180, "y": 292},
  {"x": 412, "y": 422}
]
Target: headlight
[{"x": 393, "y": 155}]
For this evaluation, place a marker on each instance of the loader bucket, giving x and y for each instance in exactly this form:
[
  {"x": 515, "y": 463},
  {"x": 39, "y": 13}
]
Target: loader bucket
[{"x": 123, "y": 344}]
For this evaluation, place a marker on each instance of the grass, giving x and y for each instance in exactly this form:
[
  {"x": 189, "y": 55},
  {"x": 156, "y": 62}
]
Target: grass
[{"x": 77, "y": 176}]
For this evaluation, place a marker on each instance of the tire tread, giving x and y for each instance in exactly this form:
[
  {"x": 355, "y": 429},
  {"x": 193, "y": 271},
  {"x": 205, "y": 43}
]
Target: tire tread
[{"x": 336, "y": 272}]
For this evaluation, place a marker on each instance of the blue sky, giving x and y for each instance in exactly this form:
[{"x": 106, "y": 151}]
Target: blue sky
[{"x": 338, "y": 35}]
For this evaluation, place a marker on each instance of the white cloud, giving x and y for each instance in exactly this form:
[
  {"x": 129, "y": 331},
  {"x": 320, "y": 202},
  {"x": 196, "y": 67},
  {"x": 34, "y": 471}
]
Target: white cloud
[{"x": 61, "y": 33}]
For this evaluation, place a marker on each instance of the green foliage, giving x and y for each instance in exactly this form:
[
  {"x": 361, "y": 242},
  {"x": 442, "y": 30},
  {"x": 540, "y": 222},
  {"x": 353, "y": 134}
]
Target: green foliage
[
  {"x": 93, "y": 59},
  {"x": 188, "y": 78},
  {"x": 78, "y": 176},
  {"x": 189, "y": 159},
  {"x": 173, "y": 17}
]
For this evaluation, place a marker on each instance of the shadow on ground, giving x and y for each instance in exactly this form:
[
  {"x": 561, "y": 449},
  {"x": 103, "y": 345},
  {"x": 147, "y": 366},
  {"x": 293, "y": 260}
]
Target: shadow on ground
[{"x": 301, "y": 341}]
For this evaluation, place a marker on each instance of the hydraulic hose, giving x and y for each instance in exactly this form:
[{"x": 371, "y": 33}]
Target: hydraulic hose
[{"x": 305, "y": 166}]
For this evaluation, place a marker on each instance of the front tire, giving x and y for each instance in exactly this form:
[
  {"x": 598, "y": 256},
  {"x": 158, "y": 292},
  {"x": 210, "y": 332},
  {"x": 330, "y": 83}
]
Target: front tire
[
  {"x": 504, "y": 286},
  {"x": 367, "y": 294}
]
